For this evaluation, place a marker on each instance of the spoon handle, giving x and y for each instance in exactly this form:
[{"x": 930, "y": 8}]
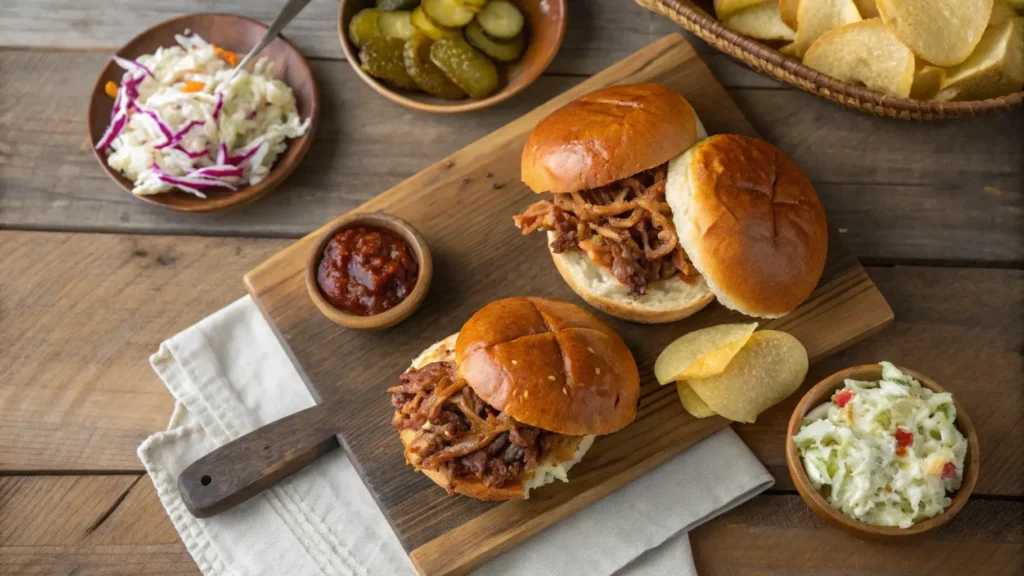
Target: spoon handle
[{"x": 290, "y": 10}]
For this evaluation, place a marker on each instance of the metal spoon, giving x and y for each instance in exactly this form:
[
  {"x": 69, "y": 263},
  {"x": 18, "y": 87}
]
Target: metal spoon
[{"x": 290, "y": 10}]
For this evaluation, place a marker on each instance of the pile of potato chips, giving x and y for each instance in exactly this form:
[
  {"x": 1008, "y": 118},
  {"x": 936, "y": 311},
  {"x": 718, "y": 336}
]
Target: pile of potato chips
[
  {"x": 923, "y": 49},
  {"x": 732, "y": 371}
]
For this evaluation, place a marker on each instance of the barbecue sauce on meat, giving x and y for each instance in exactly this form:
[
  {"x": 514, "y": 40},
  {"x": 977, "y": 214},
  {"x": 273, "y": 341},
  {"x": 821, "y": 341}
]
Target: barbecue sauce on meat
[
  {"x": 462, "y": 436},
  {"x": 625, "y": 227}
]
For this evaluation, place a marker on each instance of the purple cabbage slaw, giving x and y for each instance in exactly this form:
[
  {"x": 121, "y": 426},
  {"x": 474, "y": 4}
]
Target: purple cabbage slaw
[{"x": 224, "y": 173}]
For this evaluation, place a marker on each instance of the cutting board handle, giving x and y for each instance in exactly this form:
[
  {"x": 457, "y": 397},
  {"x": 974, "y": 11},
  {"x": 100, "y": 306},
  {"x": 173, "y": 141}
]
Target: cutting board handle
[{"x": 252, "y": 463}]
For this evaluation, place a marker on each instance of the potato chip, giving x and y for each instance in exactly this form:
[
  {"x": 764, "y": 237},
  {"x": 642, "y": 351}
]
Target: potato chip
[
  {"x": 701, "y": 353},
  {"x": 770, "y": 367},
  {"x": 691, "y": 402}
]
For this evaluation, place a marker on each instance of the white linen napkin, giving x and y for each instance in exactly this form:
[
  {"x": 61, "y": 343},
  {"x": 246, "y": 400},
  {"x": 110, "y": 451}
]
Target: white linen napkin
[{"x": 230, "y": 375}]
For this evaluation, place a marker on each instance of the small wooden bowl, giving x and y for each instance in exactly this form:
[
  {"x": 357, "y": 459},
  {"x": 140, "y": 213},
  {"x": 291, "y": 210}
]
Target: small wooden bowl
[
  {"x": 238, "y": 34},
  {"x": 406, "y": 307},
  {"x": 821, "y": 393},
  {"x": 545, "y": 28}
]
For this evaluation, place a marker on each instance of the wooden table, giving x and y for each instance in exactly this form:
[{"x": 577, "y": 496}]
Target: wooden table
[{"x": 91, "y": 280}]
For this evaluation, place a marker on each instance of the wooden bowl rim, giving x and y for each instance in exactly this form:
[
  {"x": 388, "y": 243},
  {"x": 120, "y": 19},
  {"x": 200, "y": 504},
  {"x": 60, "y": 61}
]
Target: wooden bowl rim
[
  {"x": 390, "y": 317},
  {"x": 823, "y": 390},
  {"x": 224, "y": 199},
  {"x": 457, "y": 106},
  {"x": 702, "y": 24}
]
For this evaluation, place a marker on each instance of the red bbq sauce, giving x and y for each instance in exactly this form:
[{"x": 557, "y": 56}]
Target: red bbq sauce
[{"x": 365, "y": 271}]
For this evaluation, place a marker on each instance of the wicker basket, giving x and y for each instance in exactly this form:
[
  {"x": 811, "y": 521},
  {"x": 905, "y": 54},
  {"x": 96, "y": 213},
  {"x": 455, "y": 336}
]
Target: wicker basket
[{"x": 768, "y": 61}]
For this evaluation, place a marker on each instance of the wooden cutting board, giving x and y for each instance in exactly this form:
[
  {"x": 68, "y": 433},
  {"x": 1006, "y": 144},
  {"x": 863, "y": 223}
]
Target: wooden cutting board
[{"x": 463, "y": 206}]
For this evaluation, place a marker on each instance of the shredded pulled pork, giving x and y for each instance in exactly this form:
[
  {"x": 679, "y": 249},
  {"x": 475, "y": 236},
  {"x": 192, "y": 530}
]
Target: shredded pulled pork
[
  {"x": 461, "y": 435},
  {"x": 626, "y": 227}
]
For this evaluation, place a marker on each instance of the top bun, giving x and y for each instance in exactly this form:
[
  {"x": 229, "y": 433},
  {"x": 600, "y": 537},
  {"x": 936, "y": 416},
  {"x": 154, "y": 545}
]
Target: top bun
[
  {"x": 750, "y": 222},
  {"x": 549, "y": 364},
  {"x": 606, "y": 136}
]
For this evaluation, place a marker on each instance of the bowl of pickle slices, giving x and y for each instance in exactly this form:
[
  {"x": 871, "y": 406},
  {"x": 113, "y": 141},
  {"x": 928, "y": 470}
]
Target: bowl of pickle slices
[{"x": 450, "y": 56}]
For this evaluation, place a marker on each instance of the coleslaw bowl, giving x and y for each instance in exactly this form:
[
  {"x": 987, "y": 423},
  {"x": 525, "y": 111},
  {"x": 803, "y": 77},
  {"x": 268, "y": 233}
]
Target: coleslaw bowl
[
  {"x": 821, "y": 393},
  {"x": 238, "y": 34}
]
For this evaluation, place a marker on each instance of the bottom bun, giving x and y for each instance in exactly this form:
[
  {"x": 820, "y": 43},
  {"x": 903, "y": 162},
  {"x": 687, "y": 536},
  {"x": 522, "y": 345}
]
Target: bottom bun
[
  {"x": 663, "y": 301},
  {"x": 565, "y": 451}
]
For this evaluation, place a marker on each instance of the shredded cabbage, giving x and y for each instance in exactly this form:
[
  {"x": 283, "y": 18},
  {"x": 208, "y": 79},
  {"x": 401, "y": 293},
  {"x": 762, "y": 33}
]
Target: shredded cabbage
[
  {"x": 890, "y": 455},
  {"x": 226, "y": 133}
]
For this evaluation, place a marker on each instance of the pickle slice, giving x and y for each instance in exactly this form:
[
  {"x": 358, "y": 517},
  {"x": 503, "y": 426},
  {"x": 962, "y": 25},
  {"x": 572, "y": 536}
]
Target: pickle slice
[
  {"x": 363, "y": 26},
  {"x": 501, "y": 20},
  {"x": 477, "y": 4},
  {"x": 391, "y": 5},
  {"x": 396, "y": 24},
  {"x": 448, "y": 13},
  {"x": 465, "y": 66},
  {"x": 500, "y": 50},
  {"x": 428, "y": 27},
  {"x": 381, "y": 58},
  {"x": 427, "y": 76}
]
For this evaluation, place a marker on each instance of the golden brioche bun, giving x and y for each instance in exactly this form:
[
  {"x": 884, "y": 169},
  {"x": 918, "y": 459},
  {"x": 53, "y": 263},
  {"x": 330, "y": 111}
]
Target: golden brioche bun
[
  {"x": 606, "y": 136},
  {"x": 564, "y": 452},
  {"x": 750, "y": 222},
  {"x": 549, "y": 364}
]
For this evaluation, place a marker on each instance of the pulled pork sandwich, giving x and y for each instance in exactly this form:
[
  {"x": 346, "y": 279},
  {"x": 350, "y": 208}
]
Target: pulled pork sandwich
[
  {"x": 623, "y": 196},
  {"x": 515, "y": 398}
]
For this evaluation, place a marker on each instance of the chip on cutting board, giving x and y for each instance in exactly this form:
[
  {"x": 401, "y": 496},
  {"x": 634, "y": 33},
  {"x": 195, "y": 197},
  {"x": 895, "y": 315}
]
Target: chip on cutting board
[
  {"x": 770, "y": 367},
  {"x": 701, "y": 353},
  {"x": 691, "y": 402}
]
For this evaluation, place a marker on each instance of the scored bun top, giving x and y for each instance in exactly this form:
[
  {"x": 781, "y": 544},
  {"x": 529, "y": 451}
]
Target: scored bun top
[
  {"x": 549, "y": 364},
  {"x": 750, "y": 222},
  {"x": 606, "y": 136}
]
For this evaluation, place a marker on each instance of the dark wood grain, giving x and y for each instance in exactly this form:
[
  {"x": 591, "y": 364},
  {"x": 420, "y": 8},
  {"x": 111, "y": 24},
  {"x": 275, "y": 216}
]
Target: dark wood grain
[
  {"x": 233, "y": 33},
  {"x": 246, "y": 466},
  {"x": 479, "y": 257},
  {"x": 894, "y": 190},
  {"x": 778, "y": 535}
]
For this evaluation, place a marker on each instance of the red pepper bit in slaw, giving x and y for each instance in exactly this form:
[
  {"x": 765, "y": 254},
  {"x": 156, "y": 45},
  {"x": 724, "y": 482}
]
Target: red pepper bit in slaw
[
  {"x": 843, "y": 397},
  {"x": 904, "y": 438},
  {"x": 948, "y": 470},
  {"x": 110, "y": 88}
]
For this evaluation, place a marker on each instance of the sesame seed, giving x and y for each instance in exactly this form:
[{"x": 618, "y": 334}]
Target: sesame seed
[
  {"x": 591, "y": 350},
  {"x": 552, "y": 378},
  {"x": 515, "y": 362},
  {"x": 564, "y": 391},
  {"x": 597, "y": 370},
  {"x": 526, "y": 395}
]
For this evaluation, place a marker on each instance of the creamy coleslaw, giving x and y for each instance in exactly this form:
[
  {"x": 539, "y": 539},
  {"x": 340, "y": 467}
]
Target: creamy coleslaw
[
  {"x": 886, "y": 452},
  {"x": 184, "y": 119}
]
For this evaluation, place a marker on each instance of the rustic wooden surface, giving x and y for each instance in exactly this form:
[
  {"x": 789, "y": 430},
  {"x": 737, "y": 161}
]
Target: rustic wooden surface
[{"x": 80, "y": 313}]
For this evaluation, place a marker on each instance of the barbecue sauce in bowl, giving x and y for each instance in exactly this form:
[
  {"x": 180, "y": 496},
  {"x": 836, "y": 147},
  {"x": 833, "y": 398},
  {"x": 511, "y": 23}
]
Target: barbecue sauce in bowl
[{"x": 366, "y": 270}]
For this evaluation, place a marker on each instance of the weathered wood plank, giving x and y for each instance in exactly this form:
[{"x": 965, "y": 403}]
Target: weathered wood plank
[
  {"x": 931, "y": 192},
  {"x": 102, "y": 525},
  {"x": 78, "y": 392},
  {"x": 963, "y": 328},
  {"x": 599, "y": 32},
  {"x": 779, "y": 536},
  {"x": 79, "y": 316}
]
